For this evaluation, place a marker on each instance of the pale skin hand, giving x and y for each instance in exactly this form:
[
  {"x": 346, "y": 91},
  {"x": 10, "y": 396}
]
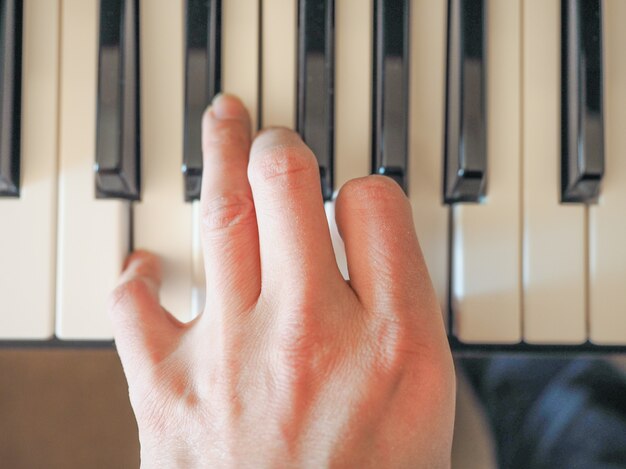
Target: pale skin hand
[{"x": 289, "y": 365}]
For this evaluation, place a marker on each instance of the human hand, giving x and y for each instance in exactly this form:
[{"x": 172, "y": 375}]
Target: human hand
[{"x": 289, "y": 365}]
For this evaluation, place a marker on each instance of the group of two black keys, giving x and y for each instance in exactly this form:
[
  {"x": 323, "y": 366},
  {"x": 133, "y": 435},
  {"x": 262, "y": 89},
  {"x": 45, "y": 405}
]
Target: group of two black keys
[{"x": 117, "y": 165}]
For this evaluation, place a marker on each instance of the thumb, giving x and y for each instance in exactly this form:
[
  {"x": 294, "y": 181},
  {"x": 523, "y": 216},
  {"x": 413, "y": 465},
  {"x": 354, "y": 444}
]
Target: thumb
[{"x": 145, "y": 333}]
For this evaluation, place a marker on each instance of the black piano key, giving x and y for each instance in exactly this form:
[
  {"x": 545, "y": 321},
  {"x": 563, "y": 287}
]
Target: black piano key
[
  {"x": 391, "y": 90},
  {"x": 10, "y": 96},
  {"x": 316, "y": 69},
  {"x": 117, "y": 164},
  {"x": 202, "y": 83},
  {"x": 582, "y": 133},
  {"x": 465, "y": 160}
]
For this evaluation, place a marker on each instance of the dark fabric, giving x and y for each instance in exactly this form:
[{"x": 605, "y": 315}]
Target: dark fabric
[{"x": 553, "y": 413}]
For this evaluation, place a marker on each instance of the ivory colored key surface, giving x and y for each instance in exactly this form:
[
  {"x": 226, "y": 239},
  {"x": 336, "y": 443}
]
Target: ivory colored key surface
[
  {"x": 92, "y": 234},
  {"x": 240, "y": 52},
  {"x": 554, "y": 234},
  {"x": 607, "y": 228},
  {"x": 335, "y": 237},
  {"x": 278, "y": 94},
  {"x": 486, "y": 289},
  {"x": 426, "y": 95},
  {"x": 353, "y": 97},
  {"x": 28, "y": 233},
  {"x": 240, "y": 75},
  {"x": 197, "y": 272},
  {"x": 353, "y": 74},
  {"x": 162, "y": 219}
]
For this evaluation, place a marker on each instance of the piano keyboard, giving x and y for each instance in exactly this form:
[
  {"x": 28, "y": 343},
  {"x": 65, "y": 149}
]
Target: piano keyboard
[{"x": 503, "y": 121}]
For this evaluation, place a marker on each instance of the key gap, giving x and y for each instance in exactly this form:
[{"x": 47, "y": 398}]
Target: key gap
[
  {"x": 259, "y": 89},
  {"x": 55, "y": 209},
  {"x": 131, "y": 227},
  {"x": 522, "y": 141},
  {"x": 450, "y": 243},
  {"x": 587, "y": 237}
]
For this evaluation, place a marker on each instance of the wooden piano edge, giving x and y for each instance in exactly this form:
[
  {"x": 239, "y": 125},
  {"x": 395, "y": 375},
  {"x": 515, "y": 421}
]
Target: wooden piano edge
[{"x": 459, "y": 348}]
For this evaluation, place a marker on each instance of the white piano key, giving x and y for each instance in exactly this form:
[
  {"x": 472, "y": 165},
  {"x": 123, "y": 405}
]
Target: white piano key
[
  {"x": 554, "y": 234},
  {"x": 486, "y": 295},
  {"x": 353, "y": 89},
  {"x": 240, "y": 52},
  {"x": 338, "y": 246},
  {"x": 92, "y": 234},
  {"x": 426, "y": 94},
  {"x": 607, "y": 227},
  {"x": 240, "y": 76},
  {"x": 279, "y": 63},
  {"x": 198, "y": 292},
  {"x": 28, "y": 234},
  {"x": 162, "y": 219},
  {"x": 353, "y": 104}
]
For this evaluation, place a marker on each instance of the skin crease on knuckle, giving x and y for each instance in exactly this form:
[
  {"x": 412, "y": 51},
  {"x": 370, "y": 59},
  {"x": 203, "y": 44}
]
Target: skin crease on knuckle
[
  {"x": 308, "y": 376},
  {"x": 305, "y": 362},
  {"x": 322, "y": 385},
  {"x": 372, "y": 357},
  {"x": 283, "y": 165},
  {"x": 227, "y": 211},
  {"x": 312, "y": 384}
]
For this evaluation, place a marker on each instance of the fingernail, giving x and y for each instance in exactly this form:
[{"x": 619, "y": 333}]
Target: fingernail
[
  {"x": 225, "y": 106},
  {"x": 216, "y": 98},
  {"x": 136, "y": 257},
  {"x": 130, "y": 259},
  {"x": 126, "y": 262}
]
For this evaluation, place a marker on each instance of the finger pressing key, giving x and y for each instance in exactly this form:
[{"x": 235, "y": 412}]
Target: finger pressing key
[
  {"x": 229, "y": 230},
  {"x": 295, "y": 244},
  {"x": 386, "y": 266},
  {"x": 144, "y": 332}
]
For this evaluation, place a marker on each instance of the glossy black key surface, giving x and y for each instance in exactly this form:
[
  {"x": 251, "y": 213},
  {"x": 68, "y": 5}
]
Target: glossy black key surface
[
  {"x": 316, "y": 68},
  {"x": 465, "y": 148},
  {"x": 391, "y": 89},
  {"x": 117, "y": 164},
  {"x": 202, "y": 83},
  {"x": 582, "y": 132},
  {"x": 10, "y": 96}
]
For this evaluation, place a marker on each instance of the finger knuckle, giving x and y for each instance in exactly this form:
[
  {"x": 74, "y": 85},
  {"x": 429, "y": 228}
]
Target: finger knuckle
[
  {"x": 287, "y": 166},
  {"x": 226, "y": 134},
  {"x": 305, "y": 347},
  {"x": 400, "y": 339},
  {"x": 126, "y": 294},
  {"x": 227, "y": 211}
]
